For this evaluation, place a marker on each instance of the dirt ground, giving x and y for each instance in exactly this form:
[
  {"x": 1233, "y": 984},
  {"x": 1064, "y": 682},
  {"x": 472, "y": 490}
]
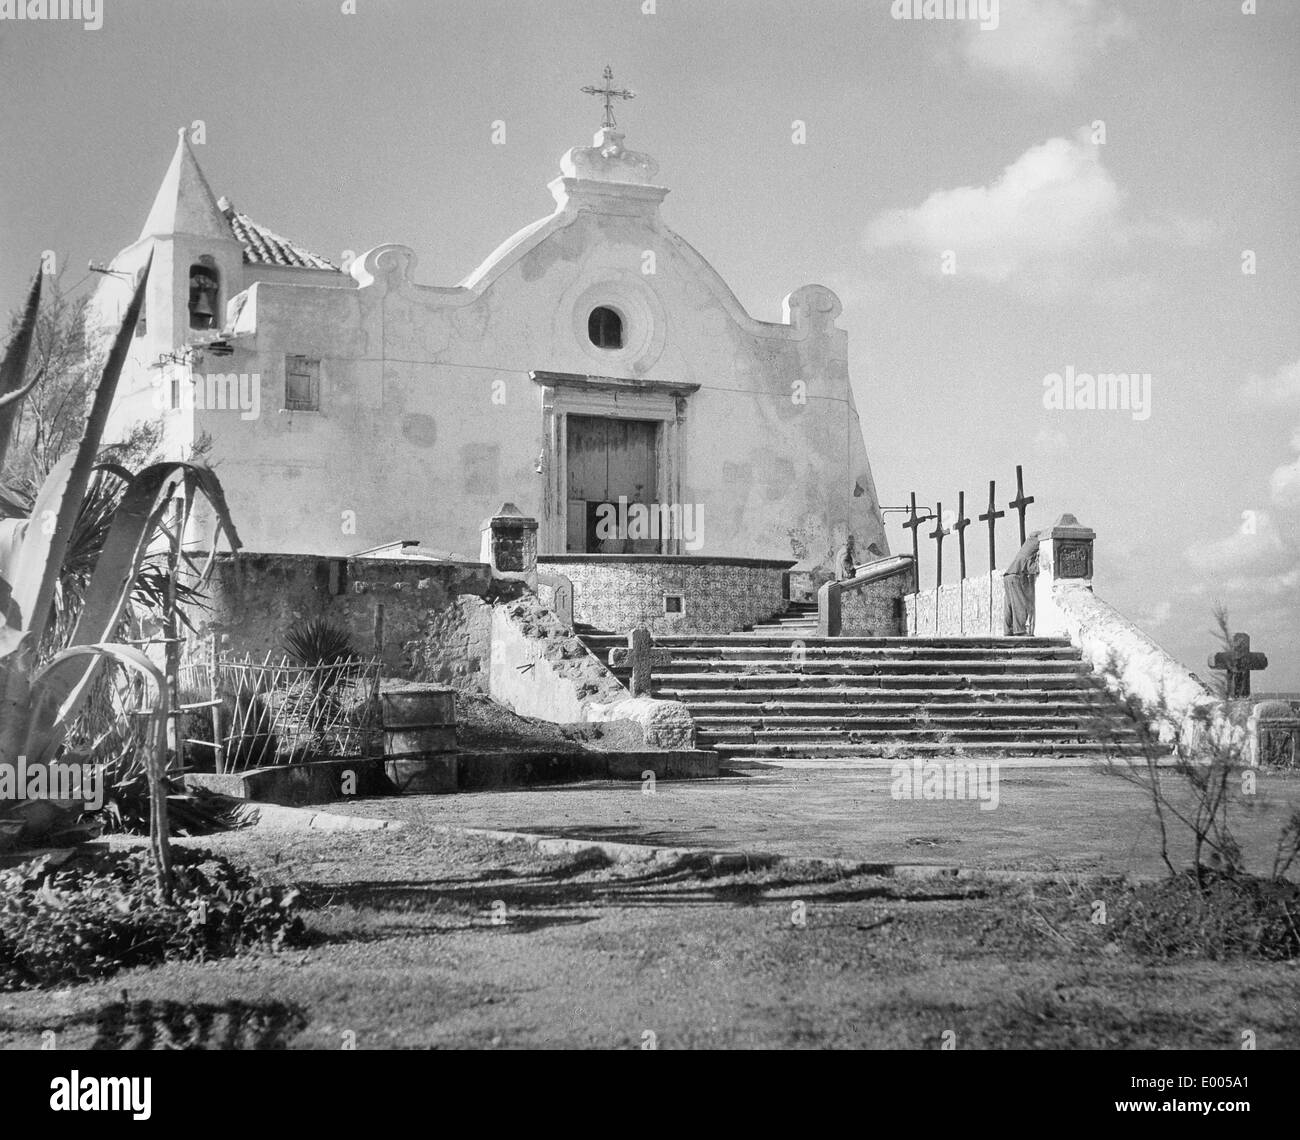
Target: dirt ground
[
  {"x": 421, "y": 938},
  {"x": 1046, "y": 818}
]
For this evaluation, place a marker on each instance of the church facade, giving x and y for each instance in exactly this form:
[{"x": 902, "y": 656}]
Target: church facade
[{"x": 594, "y": 370}]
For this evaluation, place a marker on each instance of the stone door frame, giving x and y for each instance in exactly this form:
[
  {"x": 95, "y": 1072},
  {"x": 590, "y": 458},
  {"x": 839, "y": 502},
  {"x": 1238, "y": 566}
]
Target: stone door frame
[{"x": 567, "y": 393}]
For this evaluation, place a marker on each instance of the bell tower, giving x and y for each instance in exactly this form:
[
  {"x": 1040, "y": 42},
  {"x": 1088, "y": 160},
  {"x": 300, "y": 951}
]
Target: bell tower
[
  {"x": 198, "y": 266},
  {"x": 198, "y": 261}
]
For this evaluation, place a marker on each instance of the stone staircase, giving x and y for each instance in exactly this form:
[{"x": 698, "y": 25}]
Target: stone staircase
[{"x": 779, "y": 694}]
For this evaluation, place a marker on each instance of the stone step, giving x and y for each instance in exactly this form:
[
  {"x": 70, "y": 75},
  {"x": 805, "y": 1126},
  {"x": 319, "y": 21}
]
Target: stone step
[
  {"x": 829, "y": 710},
  {"x": 815, "y": 752},
  {"x": 862, "y": 694},
  {"x": 856, "y": 721},
  {"x": 748, "y": 640},
  {"x": 1006, "y": 762},
  {"x": 953, "y": 736},
  {"x": 711, "y": 682},
  {"x": 868, "y": 668},
  {"x": 781, "y": 654}
]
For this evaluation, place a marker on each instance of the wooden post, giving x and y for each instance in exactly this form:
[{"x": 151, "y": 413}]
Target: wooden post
[
  {"x": 218, "y": 749},
  {"x": 172, "y": 635}
]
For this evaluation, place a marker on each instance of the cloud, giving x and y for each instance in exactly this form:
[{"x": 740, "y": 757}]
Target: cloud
[
  {"x": 1282, "y": 388},
  {"x": 1284, "y": 483},
  {"x": 1052, "y": 221},
  {"x": 1051, "y": 442},
  {"x": 1045, "y": 43},
  {"x": 1263, "y": 555},
  {"x": 1257, "y": 548}
]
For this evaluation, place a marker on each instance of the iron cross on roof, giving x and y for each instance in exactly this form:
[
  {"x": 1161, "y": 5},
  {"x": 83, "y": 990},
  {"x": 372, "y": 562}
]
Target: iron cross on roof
[{"x": 609, "y": 93}]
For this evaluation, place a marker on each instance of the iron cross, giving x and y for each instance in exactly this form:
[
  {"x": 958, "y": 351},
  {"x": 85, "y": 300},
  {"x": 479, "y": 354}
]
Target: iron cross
[
  {"x": 1019, "y": 503},
  {"x": 1238, "y": 662},
  {"x": 937, "y": 534},
  {"x": 960, "y": 527},
  {"x": 609, "y": 93},
  {"x": 991, "y": 517},
  {"x": 913, "y": 524}
]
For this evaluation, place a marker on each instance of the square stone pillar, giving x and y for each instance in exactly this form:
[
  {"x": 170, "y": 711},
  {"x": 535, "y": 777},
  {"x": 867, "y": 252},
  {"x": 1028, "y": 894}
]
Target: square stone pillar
[
  {"x": 509, "y": 546},
  {"x": 1064, "y": 562}
]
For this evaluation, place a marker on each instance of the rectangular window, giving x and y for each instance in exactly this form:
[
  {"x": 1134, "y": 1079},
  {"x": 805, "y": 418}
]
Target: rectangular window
[{"x": 301, "y": 384}]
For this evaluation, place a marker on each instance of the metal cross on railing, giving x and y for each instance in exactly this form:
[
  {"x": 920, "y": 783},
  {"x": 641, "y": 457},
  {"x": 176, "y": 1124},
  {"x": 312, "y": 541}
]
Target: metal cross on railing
[
  {"x": 609, "y": 93},
  {"x": 937, "y": 534},
  {"x": 960, "y": 527},
  {"x": 1021, "y": 502},
  {"x": 991, "y": 517},
  {"x": 913, "y": 524},
  {"x": 1238, "y": 661},
  {"x": 642, "y": 658}
]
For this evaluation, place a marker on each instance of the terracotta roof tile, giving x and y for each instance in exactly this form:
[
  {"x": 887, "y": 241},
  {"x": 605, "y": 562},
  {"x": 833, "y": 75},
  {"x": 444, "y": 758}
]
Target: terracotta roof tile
[{"x": 263, "y": 247}]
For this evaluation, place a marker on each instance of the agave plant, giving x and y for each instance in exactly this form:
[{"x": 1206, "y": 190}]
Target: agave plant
[
  {"x": 318, "y": 641},
  {"x": 39, "y": 701}
]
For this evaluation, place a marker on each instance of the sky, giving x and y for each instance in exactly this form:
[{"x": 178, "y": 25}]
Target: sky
[{"x": 1080, "y": 187}]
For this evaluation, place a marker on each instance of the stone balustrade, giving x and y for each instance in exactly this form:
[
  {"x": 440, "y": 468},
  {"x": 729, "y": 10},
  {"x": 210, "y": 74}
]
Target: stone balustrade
[{"x": 870, "y": 604}]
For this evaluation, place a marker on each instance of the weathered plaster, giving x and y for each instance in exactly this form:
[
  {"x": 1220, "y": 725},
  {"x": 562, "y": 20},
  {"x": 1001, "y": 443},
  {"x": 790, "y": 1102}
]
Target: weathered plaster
[
  {"x": 435, "y": 622},
  {"x": 422, "y": 386}
]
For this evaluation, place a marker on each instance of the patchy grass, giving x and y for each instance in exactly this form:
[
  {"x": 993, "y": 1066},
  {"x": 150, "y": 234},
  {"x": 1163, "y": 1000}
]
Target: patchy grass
[{"x": 417, "y": 939}]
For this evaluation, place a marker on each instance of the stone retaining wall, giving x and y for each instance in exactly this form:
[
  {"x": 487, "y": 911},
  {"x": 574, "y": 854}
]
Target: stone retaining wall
[{"x": 435, "y": 625}]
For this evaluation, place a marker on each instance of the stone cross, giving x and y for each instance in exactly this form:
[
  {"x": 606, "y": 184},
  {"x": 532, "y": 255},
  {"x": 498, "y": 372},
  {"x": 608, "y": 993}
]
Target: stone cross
[
  {"x": 960, "y": 527},
  {"x": 609, "y": 93},
  {"x": 561, "y": 595},
  {"x": 913, "y": 524},
  {"x": 991, "y": 517},
  {"x": 641, "y": 656},
  {"x": 1020, "y": 502},
  {"x": 937, "y": 534},
  {"x": 1238, "y": 662}
]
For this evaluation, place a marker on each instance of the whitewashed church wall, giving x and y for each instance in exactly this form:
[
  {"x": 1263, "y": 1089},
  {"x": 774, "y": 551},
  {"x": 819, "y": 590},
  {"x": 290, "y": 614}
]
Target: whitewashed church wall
[{"x": 428, "y": 418}]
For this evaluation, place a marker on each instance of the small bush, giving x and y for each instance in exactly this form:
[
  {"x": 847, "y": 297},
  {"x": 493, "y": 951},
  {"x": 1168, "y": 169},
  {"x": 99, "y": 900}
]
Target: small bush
[
  {"x": 1227, "y": 916},
  {"x": 102, "y": 914}
]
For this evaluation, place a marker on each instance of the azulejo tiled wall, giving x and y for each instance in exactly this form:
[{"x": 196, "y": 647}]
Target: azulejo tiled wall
[{"x": 718, "y": 595}]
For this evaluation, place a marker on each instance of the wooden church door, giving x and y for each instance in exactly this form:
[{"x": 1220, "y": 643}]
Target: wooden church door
[{"x": 608, "y": 459}]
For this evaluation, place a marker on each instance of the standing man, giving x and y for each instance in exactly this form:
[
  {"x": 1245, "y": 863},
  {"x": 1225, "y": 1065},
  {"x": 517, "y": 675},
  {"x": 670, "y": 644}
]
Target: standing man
[{"x": 1018, "y": 582}]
